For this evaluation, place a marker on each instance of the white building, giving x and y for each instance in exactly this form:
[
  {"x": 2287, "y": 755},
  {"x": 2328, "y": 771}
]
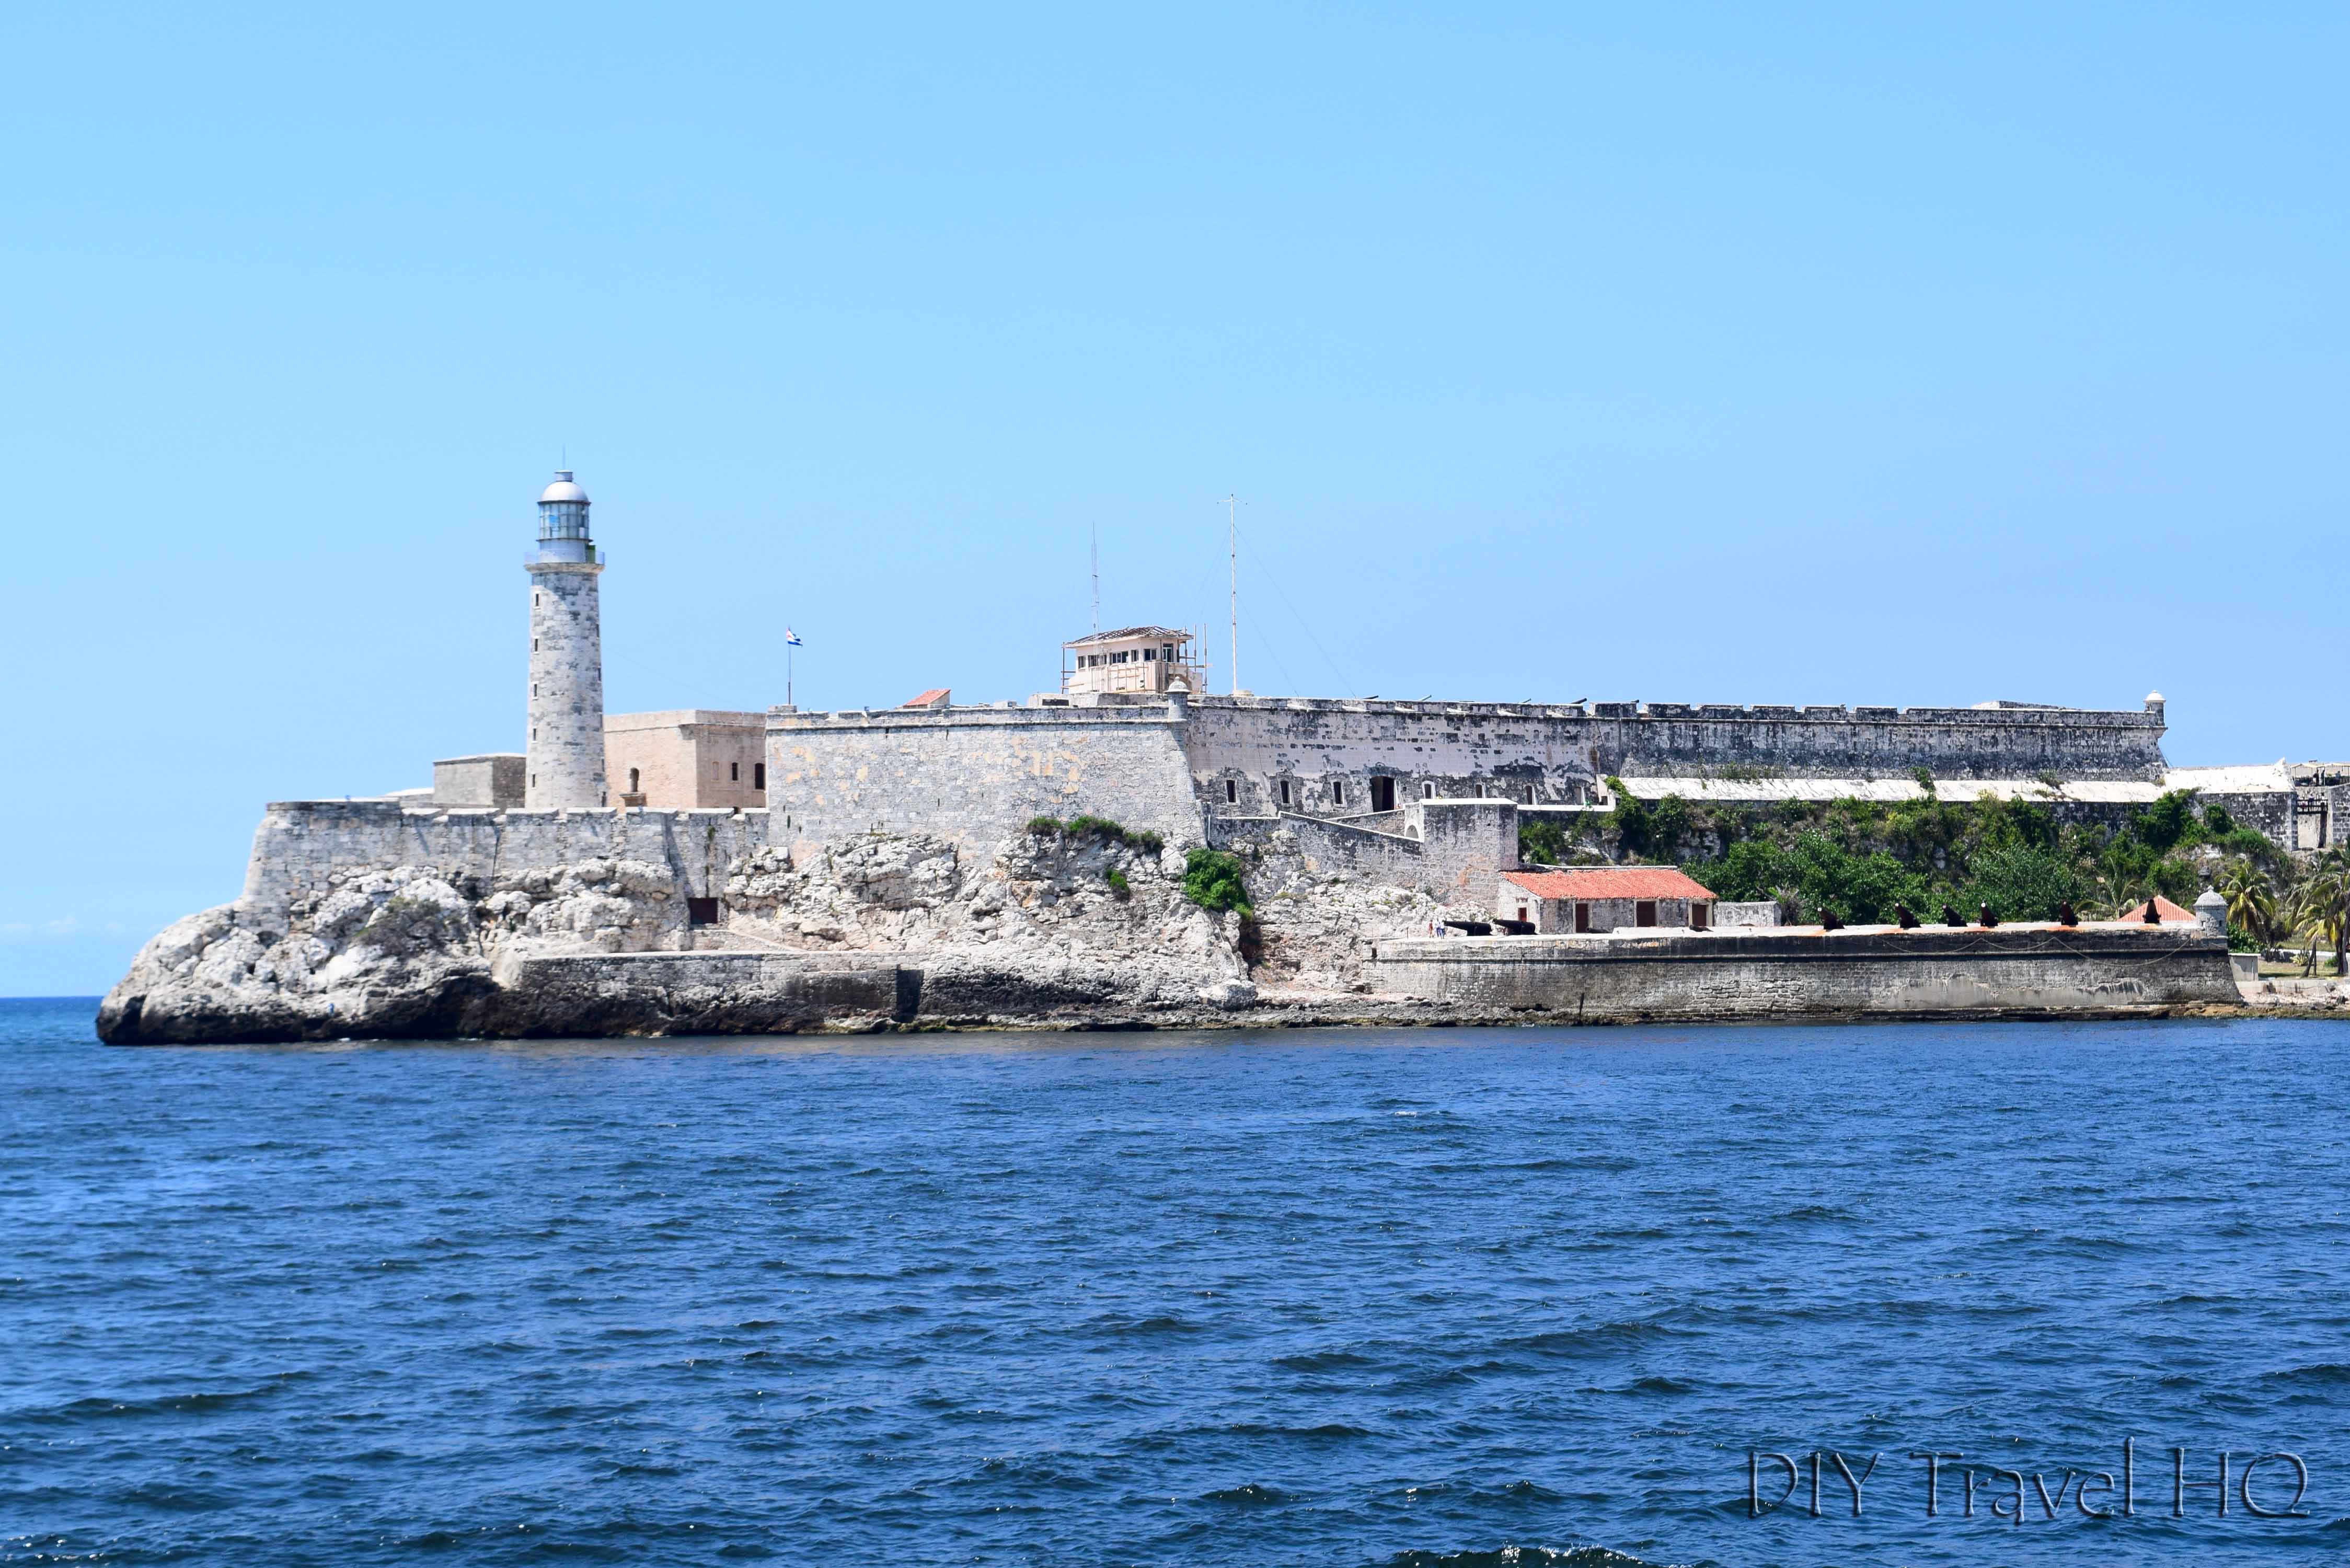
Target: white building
[{"x": 1148, "y": 659}]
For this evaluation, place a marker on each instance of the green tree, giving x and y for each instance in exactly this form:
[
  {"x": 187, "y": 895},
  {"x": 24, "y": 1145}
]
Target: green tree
[
  {"x": 2021, "y": 882},
  {"x": 2167, "y": 822}
]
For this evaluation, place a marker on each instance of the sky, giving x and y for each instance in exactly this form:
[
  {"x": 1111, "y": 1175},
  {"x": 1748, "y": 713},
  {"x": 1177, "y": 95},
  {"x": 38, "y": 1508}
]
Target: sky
[{"x": 1683, "y": 353}]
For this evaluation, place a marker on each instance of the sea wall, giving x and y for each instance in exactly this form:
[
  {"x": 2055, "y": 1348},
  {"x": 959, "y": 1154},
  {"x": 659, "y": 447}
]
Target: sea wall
[
  {"x": 1877, "y": 971},
  {"x": 974, "y": 775},
  {"x": 300, "y": 843}
]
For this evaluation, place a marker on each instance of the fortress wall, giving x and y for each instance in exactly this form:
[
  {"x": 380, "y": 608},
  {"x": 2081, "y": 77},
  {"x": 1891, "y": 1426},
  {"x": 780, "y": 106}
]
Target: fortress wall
[
  {"x": 1455, "y": 849},
  {"x": 1951, "y": 742},
  {"x": 1558, "y": 749},
  {"x": 1329, "y": 848},
  {"x": 976, "y": 775},
  {"x": 299, "y": 842},
  {"x": 1733, "y": 975},
  {"x": 1317, "y": 743}
]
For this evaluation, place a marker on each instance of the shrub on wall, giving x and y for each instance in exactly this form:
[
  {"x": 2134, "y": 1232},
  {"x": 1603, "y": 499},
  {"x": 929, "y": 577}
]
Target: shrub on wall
[
  {"x": 1212, "y": 880},
  {"x": 1108, "y": 832}
]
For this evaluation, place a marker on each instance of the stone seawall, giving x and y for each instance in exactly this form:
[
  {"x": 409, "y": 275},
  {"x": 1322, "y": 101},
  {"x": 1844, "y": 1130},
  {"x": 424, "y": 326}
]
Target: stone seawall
[{"x": 1804, "y": 973}]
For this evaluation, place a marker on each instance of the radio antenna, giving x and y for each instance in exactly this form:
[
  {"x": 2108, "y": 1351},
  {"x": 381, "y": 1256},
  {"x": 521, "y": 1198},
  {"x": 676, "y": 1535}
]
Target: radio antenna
[{"x": 1232, "y": 508}]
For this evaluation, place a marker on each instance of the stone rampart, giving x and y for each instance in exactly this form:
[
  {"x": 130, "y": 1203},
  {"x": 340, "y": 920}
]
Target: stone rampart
[
  {"x": 974, "y": 776},
  {"x": 1452, "y": 850},
  {"x": 1875, "y": 971},
  {"x": 1242, "y": 750},
  {"x": 300, "y": 843}
]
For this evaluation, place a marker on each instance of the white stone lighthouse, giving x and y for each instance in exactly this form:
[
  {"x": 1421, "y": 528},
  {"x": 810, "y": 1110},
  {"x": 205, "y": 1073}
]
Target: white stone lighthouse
[{"x": 567, "y": 656}]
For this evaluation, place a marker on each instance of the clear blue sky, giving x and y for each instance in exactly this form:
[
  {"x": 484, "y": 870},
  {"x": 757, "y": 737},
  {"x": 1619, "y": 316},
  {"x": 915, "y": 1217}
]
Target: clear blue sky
[{"x": 1677, "y": 353}]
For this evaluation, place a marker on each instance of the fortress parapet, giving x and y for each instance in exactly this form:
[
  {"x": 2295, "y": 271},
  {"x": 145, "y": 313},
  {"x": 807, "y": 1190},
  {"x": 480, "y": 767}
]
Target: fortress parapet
[{"x": 1170, "y": 763}]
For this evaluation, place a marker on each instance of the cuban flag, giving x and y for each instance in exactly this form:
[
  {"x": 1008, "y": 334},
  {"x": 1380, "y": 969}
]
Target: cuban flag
[{"x": 792, "y": 639}]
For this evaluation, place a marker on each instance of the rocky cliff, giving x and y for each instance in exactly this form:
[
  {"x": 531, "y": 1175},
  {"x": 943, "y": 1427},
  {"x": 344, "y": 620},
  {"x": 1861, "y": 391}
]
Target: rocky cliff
[{"x": 1049, "y": 928}]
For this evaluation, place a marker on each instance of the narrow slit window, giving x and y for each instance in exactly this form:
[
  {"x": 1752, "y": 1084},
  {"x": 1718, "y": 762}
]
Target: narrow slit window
[
  {"x": 1232, "y": 792},
  {"x": 759, "y": 776}
]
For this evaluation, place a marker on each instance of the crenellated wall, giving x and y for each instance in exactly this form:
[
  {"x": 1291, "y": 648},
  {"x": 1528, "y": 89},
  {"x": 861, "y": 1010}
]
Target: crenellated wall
[{"x": 1243, "y": 749}]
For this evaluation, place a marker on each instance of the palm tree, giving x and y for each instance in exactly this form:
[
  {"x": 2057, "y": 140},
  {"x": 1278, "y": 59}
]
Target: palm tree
[
  {"x": 2331, "y": 892},
  {"x": 2251, "y": 903},
  {"x": 2113, "y": 893},
  {"x": 2321, "y": 914}
]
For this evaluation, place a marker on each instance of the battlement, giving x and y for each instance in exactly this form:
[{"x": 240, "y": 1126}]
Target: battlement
[
  {"x": 1153, "y": 708},
  {"x": 1154, "y": 711}
]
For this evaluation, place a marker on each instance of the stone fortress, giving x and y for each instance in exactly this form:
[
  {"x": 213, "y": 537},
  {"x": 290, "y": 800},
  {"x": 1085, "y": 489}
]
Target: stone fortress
[{"x": 809, "y": 862}]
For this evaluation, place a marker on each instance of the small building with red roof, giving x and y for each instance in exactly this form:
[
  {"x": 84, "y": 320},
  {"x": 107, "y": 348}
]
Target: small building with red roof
[
  {"x": 1590, "y": 899},
  {"x": 2166, "y": 912}
]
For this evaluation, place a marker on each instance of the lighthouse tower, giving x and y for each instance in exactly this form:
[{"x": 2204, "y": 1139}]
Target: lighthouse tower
[{"x": 566, "y": 764}]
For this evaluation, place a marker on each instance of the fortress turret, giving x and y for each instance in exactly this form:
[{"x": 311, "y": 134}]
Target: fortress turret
[{"x": 567, "y": 655}]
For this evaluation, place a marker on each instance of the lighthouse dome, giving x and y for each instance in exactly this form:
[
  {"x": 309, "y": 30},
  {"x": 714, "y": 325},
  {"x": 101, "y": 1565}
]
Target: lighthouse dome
[{"x": 565, "y": 488}]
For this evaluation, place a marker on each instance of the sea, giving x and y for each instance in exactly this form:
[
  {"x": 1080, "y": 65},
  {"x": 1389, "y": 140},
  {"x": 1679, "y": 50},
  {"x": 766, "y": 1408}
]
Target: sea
[{"x": 1601, "y": 1297}]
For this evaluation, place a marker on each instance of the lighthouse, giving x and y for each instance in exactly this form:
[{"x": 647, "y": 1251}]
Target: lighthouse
[{"x": 566, "y": 760}]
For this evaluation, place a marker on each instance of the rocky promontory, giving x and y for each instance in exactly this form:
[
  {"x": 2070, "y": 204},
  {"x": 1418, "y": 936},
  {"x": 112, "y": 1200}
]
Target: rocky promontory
[{"x": 1049, "y": 928}]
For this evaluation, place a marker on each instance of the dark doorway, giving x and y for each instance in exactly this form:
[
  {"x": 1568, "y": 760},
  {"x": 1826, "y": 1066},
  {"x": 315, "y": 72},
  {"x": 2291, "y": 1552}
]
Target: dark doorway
[
  {"x": 1644, "y": 913},
  {"x": 1383, "y": 797},
  {"x": 701, "y": 911}
]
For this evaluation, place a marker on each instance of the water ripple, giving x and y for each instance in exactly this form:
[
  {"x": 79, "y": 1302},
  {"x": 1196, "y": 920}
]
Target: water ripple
[{"x": 1513, "y": 1299}]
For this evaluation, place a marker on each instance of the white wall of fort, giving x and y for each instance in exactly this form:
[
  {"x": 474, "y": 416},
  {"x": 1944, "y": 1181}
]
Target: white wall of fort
[
  {"x": 975, "y": 776},
  {"x": 298, "y": 843}
]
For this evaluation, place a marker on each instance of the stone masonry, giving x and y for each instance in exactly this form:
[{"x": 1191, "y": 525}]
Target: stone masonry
[{"x": 567, "y": 688}]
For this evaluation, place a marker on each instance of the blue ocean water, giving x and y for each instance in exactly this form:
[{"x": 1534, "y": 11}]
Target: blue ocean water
[{"x": 1386, "y": 1298}]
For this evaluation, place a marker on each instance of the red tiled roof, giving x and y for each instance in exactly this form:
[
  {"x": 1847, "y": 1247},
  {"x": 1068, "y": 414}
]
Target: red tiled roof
[
  {"x": 936, "y": 697},
  {"x": 2162, "y": 906},
  {"x": 1611, "y": 882}
]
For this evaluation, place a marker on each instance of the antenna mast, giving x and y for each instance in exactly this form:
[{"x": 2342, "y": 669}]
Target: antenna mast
[
  {"x": 1095, "y": 536},
  {"x": 1233, "y": 507}
]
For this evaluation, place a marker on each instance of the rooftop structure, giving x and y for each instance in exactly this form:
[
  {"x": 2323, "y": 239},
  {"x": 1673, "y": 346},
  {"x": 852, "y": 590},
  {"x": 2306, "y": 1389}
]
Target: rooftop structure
[
  {"x": 688, "y": 759},
  {"x": 1148, "y": 659}
]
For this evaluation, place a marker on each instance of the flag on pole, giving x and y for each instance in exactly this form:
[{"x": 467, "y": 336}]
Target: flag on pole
[{"x": 792, "y": 639}]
